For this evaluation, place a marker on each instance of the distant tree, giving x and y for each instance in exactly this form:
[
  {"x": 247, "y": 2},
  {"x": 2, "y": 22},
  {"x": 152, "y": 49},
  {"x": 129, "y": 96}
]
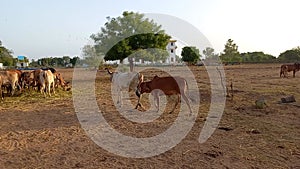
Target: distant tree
[
  {"x": 208, "y": 52},
  {"x": 90, "y": 56},
  {"x": 230, "y": 53},
  {"x": 257, "y": 57},
  {"x": 116, "y": 40},
  {"x": 190, "y": 54},
  {"x": 292, "y": 55},
  {"x": 75, "y": 60},
  {"x": 34, "y": 63}
]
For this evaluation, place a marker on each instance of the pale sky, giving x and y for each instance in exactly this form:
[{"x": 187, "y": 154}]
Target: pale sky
[{"x": 44, "y": 28}]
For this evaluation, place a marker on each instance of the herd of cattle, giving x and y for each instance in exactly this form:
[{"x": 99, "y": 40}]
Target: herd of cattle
[
  {"x": 164, "y": 85},
  {"x": 46, "y": 80},
  {"x": 43, "y": 80}
]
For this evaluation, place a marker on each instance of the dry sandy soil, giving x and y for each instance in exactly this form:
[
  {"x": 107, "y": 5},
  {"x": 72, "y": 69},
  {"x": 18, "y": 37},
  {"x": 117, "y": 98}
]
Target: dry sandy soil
[{"x": 38, "y": 132}]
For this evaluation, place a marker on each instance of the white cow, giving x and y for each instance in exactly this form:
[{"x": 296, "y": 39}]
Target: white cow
[
  {"x": 46, "y": 79},
  {"x": 126, "y": 81}
]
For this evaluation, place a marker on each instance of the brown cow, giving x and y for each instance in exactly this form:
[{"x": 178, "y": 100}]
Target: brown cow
[
  {"x": 284, "y": 69},
  {"x": 59, "y": 80},
  {"x": 10, "y": 78},
  {"x": 1, "y": 92},
  {"x": 168, "y": 86}
]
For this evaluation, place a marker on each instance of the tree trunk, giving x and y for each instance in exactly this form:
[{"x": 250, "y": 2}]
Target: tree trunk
[{"x": 130, "y": 60}]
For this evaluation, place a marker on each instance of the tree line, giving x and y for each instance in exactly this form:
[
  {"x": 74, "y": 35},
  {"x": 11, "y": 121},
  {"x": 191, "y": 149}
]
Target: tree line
[
  {"x": 124, "y": 37},
  {"x": 131, "y": 35},
  {"x": 231, "y": 55}
]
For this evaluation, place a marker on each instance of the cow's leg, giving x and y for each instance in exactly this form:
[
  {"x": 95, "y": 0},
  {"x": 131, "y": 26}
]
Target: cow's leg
[
  {"x": 178, "y": 100},
  {"x": 294, "y": 72},
  {"x": 53, "y": 86},
  {"x": 119, "y": 102},
  {"x": 13, "y": 86},
  {"x": 49, "y": 89},
  {"x": 137, "y": 92},
  {"x": 187, "y": 102},
  {"x": 139, "y": 103},
  {"x": 156, "y": 98}
]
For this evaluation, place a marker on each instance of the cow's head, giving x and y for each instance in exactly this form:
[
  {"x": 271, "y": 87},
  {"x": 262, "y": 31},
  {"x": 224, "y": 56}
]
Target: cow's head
[{"x": 144, "y": 87}]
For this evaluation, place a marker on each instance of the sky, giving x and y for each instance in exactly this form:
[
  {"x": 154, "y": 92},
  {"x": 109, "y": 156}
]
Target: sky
[{"x": 43, "y": 28}]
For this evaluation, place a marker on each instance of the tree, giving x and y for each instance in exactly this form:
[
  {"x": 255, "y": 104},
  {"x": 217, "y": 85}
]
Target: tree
[
  {"x": 129, "y": 33},
  {"x": 257, "y": 57},
  {"x": 75, "y": 60},
  {"x": 6, "y": 56},
  {"x": 292, "y": 55},
  {"x": 208, "y": 52},
  {"x": 90, "y": 56},
  {"x": 231, "y": 53},
  {"x": 190, "y": 54}
]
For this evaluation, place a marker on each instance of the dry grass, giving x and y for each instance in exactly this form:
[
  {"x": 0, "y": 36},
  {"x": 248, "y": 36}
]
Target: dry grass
[{"x": 37, "y": 132}]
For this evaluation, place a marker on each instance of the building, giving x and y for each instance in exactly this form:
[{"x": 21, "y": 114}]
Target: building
[
  {"x": 22, "y": 62},
  {"x": 171, "y": 59},
  {"x": 171, "y": 48},
  {"x": 1, "y": 65}
]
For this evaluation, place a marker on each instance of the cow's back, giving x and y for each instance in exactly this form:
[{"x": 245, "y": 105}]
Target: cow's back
[{"x": 169, "y": 85}]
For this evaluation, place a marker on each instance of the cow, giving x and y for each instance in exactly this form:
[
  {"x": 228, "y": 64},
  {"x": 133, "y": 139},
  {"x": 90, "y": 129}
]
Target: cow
[
  {"x": 168, "y": 86},
  {"x": 59, "y": 80},
  {"x": 126, "y": 80},
  {"x": 46, "y": 79},
  {"x": 1, "y": 92},
  {"x": 10, "y": 79},
  {"x": 26, "y": 79},
  {"x": 284, "y": 69}
]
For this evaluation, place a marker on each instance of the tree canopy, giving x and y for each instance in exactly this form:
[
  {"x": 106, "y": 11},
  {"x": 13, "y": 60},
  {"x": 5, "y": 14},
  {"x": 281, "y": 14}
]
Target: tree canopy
[
  {"x": 6, "y": 56},
  {"x": 292, "y": 55},
  {"x": 122, "y": 36},
  {"x": 257, "y": 57},
  {"x": 190, "y": 54},
  {"x": 230, "y": 52},
  {"x": 208, "y": 52}
]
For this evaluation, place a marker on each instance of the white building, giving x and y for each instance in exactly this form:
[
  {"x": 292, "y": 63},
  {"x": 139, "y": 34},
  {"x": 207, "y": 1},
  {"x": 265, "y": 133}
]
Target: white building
[
  {"x": 22, "y": 64},
  {"x": 171, "y": 48},
  {"x": 171, "y": 59},
  {"x": 1, "y": 65}
]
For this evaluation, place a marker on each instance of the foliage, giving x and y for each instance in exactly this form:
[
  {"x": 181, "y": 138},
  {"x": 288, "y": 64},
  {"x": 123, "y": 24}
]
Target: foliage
[
  {"x": 6, "y": 56},
  {"x": 257, "y": 57},
  {"x": 208, "y": 52},
  {"x": 149, "y": 54},
  {"x": 292, "y": 55},
  {"x": 190, "y": 54},
  {"x": 55, "y": 61},
  {"x": 90, "y": 56},
  {"x": 230, "y": 53},
  {"x": 129, "y": 33}
]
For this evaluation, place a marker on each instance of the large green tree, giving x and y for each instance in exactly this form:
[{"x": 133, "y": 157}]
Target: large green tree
[
  {"x": 124, "y": 35},
  {"x": 190, "y": 54},
  {"x": 292, "y": 55},
  {"x": 230, "y": 52},
  {"x": 6, "y": 56}
]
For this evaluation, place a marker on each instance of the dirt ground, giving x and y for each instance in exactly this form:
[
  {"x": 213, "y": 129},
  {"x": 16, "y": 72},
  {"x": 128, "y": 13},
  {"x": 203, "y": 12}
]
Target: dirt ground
[{"x": 38, "y": 132}]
